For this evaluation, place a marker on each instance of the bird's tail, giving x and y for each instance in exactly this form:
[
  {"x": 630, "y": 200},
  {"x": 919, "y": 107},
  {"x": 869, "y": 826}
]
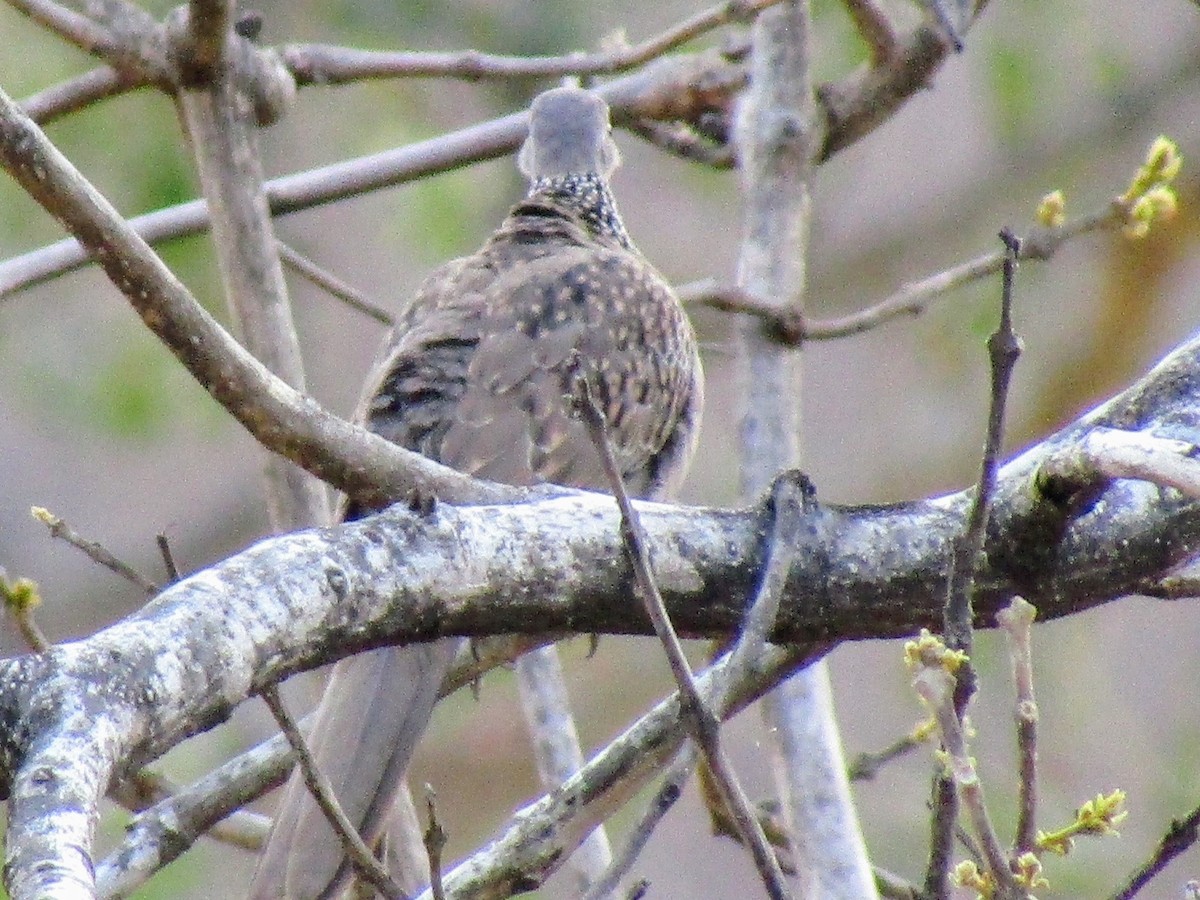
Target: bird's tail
[{"x": 374, "y": 710}]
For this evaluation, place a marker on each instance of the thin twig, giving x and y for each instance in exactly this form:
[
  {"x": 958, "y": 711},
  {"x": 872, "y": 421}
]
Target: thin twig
[
  {"x": 867, "y": 764},
  {"x": 79, "y": 92},
  {"x": 911, "y": 299},
  {"x": 359, "y": 854},
  {"x": 1017, "y": 622},
  {"x": 875, "y": 26},
  {"x": 1003, "y": 348},
  {"x": 937, "y": 687},
  {"x": 168, "y": 558},
  {"x": 703, "y": 725},
  {"x": 684, "y": 142},
  {"x": 669, "y": 790},
  {"x": 324, "y": 64},
  {"x": 73, "y": 27},
  {"x": 435, "y": 843},
  {"x": 333, "y": 285},
  {"x": 1179, "y": 836},
  {"x": 95, "y": 551},
  {"x": 21, "y": 598},
  {"x": 943, "y": 806}
]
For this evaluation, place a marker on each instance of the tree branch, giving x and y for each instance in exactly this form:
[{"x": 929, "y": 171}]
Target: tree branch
[
  {"x": 282, "y": 419},
  {"x": 322, "y": 64},
  {"x": 297, "y": 601}
]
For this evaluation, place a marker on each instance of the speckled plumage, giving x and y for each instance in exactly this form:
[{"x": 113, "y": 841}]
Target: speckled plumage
[
  {"x": 478, "y": 374},
  {"x": 480, "y": 366}
]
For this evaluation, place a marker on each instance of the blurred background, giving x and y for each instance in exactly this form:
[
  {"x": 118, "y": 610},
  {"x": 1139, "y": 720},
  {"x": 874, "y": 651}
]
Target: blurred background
[{"x": 101, "y": 426}]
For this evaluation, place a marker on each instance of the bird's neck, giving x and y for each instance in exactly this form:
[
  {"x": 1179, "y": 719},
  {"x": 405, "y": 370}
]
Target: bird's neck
[{"x": 588, "y": 197}]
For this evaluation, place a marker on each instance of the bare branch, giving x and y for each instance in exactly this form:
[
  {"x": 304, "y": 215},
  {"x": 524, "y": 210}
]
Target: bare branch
[
  {"x": 1017, "y": 622},
  {"x": 1181, "y": 834},
  {"x": 286, "y": 421},
  {"x": 73, "y": 27},
  {"x": 669, "y": 790},
  {"x": 322, "y": 64},
  {"x": 875, "y": 27},
  {"x": 1004, "y": 347},
  {"x": 1106, "y": 454},
  {"x": 364, "y": 862},
  {"x": 223, "y": 141},
  {"x": 329, "y": 282},
  {"x": 95, "y": 551},
  {"x": 78, "y": 93},
  {"x": 701, "y": 721},
  {"x": 683, "y": 88},
  {"x": 884, "y": 566},
  {"x": 936, "y": 687},
  {"x": 911, "y": 299}
]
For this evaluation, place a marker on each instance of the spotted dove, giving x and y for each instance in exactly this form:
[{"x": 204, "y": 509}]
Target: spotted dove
[{"x": 478, "y": 374}]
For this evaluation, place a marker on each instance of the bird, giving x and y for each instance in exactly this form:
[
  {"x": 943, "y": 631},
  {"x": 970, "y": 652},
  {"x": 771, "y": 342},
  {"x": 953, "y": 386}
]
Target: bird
[{"x": 479, "y": 373}]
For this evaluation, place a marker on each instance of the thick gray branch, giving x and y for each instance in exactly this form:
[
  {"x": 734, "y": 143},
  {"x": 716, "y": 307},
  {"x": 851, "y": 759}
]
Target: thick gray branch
[{"x": 71, "y": 718}]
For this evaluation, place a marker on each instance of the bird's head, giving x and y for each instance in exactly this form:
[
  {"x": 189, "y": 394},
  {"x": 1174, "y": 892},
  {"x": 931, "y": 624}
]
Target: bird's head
[{"x": 569, "y": 134}]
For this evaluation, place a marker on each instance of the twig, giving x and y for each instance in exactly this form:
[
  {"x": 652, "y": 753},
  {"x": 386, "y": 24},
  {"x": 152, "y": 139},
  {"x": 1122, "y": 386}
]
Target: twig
[
  {"x": 364, "y": 862},
  {"x": 73, "y": 27},
  {"x": 168, "y": 558},
  {"x": 557, "y": 751},
  {"x": 1179, "y": 836},
  {"x": 937, "y": 687},
  {"x": 911, "y": 299},
  {"x": 333, "y": 285},
  {"x": 875, "y": 27},
  {"x": 1003, "y": 349},
  {"x": 348, "y": 457},
  {"x": 94, "y": 550},
  {"x": 1017, "y": 622},
  {"x": 669, "y": 791},
  {"x": 866, "y": 765},
  {"x": 435, "y": 843},
  {"x": 702, "y": 723},
  {"x": 1104, "y": 454},
  {"x": 80, "y": 92},
  {"x": 21, "y": 598},
  {"x": 684, "y": 142},
  {"x": 323, "y": 64}
]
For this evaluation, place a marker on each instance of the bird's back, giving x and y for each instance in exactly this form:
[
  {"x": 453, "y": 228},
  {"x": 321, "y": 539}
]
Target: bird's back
[{"x": 479, "y": 372}]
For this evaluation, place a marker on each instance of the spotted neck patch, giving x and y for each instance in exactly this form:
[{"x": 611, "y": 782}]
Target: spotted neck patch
[{"x": 588, "y": 196}]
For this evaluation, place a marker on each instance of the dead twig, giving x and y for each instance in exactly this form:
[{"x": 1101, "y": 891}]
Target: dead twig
[
  {"x": 359, "y": 854},
  {"x": 94, "y": 550},
  {"x": 703, "y": 724},
  {"x": 323, "y": 64},
  {"x": 333, "y": 285}
]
